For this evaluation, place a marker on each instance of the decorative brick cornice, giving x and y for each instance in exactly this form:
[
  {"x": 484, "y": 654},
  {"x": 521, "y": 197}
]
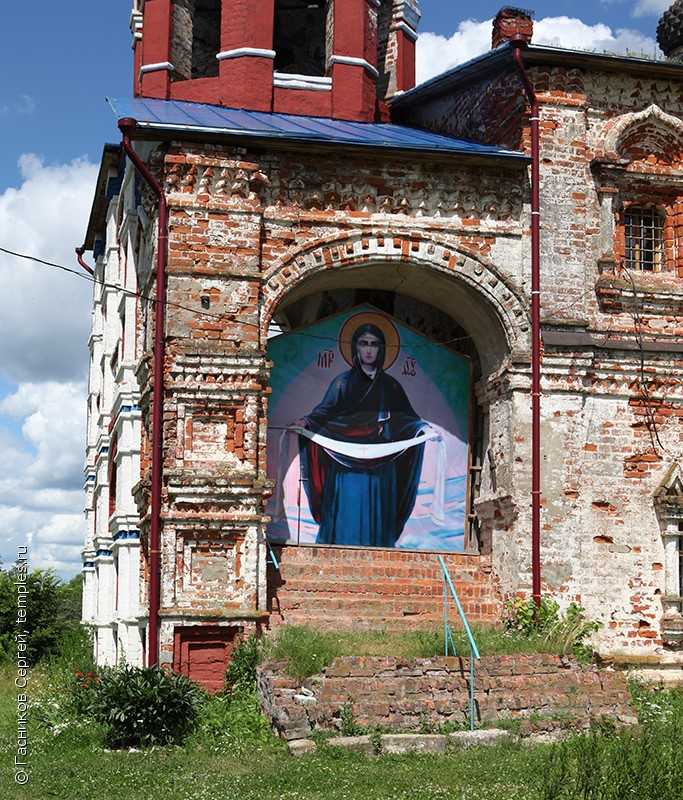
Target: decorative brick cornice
[{"x": 360, "y": 249}]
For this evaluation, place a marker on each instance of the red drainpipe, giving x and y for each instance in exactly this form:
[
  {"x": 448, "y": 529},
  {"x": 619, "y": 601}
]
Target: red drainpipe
[
  {"x": 127, "y": 127},
  {"x": 535, "y": 326},
  {"x": 79, "y": 256}
]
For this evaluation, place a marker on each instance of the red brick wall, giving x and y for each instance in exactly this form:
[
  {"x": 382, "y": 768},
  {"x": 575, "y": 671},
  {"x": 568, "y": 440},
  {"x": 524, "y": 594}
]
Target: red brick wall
[{"x": 400, "y": 694}]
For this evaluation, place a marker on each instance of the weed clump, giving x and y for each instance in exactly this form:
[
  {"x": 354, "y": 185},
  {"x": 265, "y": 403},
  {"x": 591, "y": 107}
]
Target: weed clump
[{"x": 305, "y": 650}]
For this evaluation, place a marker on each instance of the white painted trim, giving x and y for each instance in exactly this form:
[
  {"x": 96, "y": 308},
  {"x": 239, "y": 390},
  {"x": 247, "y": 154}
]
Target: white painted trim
[
  {"x": 285, "y": 80},
  {"x": 163, "y": 65},
  {"x": 402, "y": 26},
  {"x": 374, "y": 3},
  {"x": 355, "y": 62},
  {"x": 245, "y": 51}
]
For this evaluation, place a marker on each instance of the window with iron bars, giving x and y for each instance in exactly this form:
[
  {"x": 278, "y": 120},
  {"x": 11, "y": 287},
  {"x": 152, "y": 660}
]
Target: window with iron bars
[{"x": 644, "y": 233}]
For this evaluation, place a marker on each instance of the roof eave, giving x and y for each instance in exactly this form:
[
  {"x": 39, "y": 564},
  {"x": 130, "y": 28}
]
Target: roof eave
[
  {"x": 151, "y": 131},
  {"x": 495, "y": 60},
  {"x": 111, "y": 155}
]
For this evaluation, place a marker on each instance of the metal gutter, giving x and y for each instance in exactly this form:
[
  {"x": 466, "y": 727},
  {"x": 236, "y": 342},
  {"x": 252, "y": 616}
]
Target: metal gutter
[{"x": 517, "y": 49}]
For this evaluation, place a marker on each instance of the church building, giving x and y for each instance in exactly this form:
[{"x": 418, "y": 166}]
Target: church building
[{"x": 343, "y": 325}]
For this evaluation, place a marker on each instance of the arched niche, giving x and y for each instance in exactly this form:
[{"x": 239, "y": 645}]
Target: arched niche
[
  {"x": 648, "y": 134},
  {"x": 465, "y": 287},
  {"x": 478, "y": 313}
]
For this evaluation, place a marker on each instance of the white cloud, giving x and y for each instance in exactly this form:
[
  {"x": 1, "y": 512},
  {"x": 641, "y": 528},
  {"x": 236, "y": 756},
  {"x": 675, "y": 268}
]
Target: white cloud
[
  {"x": 41, "y": 495},
  {"x": 54, "y": 426},
  {"x": 44, "y": 321},
  {"x": 646, "y": 7},
  {"x": 44, "y": 314},
  {"x": 436, "y": 53}
]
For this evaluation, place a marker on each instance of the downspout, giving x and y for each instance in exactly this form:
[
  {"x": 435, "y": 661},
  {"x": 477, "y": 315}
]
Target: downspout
[
  {"x": 535, "y": 325},
  {"x": 127, "y": 127},
  {"x": 79, "y": 256}
]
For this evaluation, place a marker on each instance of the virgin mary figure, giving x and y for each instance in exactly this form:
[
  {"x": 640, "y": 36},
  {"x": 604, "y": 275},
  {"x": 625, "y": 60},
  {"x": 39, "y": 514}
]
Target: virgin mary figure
[{"x": 356, "y": 499}]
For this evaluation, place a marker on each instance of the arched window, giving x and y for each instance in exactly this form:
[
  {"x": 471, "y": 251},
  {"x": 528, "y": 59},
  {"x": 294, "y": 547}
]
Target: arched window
[
  {"x": 196, "y": 38},
  {"x": 301, "y": 36},
  {"x": 644, "y": 235}
]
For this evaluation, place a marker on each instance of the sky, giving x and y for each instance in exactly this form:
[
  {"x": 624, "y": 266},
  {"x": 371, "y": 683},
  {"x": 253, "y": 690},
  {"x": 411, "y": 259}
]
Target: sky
[{"x": 57, "y": 63}]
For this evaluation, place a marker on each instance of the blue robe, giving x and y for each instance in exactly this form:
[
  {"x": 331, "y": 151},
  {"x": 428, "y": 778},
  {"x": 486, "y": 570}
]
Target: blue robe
[{"x": 354, "y": 501}]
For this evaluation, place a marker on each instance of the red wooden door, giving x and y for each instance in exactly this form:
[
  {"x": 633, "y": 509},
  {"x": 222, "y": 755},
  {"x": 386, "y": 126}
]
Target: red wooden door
[{"x": 202, "y": 653}]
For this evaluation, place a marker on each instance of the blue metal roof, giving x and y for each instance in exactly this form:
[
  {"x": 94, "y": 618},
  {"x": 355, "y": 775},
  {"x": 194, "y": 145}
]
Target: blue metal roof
[{"x": 174, "y": 115}]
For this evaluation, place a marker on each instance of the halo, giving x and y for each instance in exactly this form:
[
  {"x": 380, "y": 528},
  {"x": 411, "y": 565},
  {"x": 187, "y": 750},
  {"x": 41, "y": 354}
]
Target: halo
[{"x": 392, "y": 339}]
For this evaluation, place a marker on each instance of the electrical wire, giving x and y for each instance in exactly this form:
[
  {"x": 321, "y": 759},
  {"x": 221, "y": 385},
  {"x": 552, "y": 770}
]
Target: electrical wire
[{"x": 195, "y": 311}]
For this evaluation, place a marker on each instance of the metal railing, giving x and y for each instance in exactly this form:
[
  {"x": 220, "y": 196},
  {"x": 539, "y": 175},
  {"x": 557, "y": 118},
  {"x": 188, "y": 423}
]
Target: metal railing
[
  {"x": 449, "y": 641},
  {"x": 271, "y": 557}
]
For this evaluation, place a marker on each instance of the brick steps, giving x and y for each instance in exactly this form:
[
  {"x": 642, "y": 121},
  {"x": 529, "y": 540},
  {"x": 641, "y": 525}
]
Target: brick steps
[{"x": 364, "y": 589}]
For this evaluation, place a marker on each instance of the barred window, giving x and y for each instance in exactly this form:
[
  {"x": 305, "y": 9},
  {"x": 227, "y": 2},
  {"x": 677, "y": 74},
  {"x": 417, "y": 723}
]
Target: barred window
[{"x": 644, "y": 230}]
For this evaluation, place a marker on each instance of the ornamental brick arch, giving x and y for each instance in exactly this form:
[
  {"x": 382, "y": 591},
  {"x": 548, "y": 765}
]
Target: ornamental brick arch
[
  {"x": 639, "y": 135},
  {"x": 432, "y": 269}
]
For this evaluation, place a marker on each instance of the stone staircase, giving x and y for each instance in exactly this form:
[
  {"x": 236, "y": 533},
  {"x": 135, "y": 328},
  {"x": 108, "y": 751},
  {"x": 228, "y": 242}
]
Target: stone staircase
[{"x": 332, "y": 588}]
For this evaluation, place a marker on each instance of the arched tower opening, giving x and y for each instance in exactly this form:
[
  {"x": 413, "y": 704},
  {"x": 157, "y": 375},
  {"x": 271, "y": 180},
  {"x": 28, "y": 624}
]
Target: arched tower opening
[{"x": 196, "y": 38}]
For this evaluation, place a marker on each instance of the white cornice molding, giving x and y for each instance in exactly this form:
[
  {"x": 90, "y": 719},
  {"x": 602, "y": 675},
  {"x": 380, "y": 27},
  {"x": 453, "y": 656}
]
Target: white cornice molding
[
  {"x": 403, "y": 26},
  {"x": 286, "y": 80},
  {"x": 355, "y": 62},
  {"x": 160, "y": 67},
  {"x": 239, "y": 52}
]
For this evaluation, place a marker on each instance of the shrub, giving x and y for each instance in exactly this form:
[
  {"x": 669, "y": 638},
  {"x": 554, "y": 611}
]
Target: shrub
[
  {"x": 348, "y": 726},
  {"x": 568, "y": 634},
  {"x": 241, "y": 673},
  {"x": 305, "y": 650},
  {"x": 140, "y": 706},
  {"x": 233, "y": 720},
  {"x": 53, "y": 613},
  {"x": 564, "y": 634},
  {"x": 522, "y": 616}
]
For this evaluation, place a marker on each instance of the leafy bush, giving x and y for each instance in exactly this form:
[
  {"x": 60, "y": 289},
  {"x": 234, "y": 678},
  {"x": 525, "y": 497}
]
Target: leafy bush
[
  {"x": 305, "y": 650},
  {"x": 522, "y": 616},
  {"x": 233, "y": 721},
  {"x": 140, "y": 706},
  {"x": 564, "y": 634},
  {"x": 241, "y": 672},
  {"x": 53, "y": 613},
  {"x": 347, "y": 721}
]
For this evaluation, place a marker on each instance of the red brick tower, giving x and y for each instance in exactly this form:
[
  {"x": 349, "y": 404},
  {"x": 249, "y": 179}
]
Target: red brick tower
[{"x": 315, "y": 57}]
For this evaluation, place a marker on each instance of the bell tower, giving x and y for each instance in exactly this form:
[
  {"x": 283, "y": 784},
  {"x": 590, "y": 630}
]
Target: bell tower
[{"x": 328, "y": 58}]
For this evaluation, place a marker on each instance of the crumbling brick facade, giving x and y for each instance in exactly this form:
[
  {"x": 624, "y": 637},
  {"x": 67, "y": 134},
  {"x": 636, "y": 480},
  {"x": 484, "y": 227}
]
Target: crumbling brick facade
[{"x": 256, "y": 229}]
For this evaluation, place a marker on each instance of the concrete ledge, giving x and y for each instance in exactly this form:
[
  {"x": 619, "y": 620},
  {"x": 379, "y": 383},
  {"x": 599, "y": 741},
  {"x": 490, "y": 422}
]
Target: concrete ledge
[
  {"x": 357, "y": 744},
  {"x": 413, "y": 743},
  {"x": 487, "y": 737},
  {"x": 301, "y": 747}
]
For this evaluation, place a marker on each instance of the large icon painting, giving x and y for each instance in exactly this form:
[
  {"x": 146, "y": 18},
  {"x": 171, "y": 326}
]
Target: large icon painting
[{"x": 368, "y": 438}]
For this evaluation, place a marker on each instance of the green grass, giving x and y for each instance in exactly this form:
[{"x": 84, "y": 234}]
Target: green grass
[
  {"x": 73, "y": 765},
  {"x": 307, "y": 651},
  {"x": 233, "y": 757}
]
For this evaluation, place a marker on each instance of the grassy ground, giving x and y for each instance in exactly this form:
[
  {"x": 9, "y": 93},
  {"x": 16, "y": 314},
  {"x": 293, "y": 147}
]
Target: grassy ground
[
  {"x": 74, "y": 765},
  {"x": 246, "y": 763},
  {"x": 307, "y": 650}
]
